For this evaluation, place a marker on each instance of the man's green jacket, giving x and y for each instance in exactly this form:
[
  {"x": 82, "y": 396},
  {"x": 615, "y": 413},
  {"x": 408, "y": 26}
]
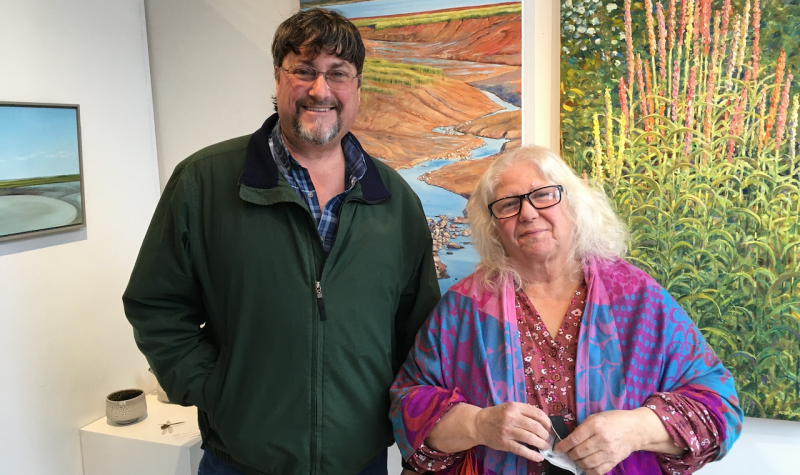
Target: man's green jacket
[{"x": 288, "y": 353}]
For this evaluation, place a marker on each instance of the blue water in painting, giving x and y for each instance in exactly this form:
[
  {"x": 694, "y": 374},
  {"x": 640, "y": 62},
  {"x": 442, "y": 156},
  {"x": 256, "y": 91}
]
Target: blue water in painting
[
  {"x": 438, "y": 201},
  {"x": 397, "y": 7},
  {"x": 506, "y": 106}
]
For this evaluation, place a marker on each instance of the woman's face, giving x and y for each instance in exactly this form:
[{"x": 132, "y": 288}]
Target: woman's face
[{"x": 534, "y": 236}]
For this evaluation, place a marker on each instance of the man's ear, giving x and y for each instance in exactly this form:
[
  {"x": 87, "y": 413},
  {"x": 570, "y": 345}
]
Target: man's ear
[{"x": 277, "y": 73}]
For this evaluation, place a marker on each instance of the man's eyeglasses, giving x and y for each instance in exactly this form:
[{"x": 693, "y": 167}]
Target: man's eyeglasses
[
  {"x": 539, "y": 198},
  {"x": 336, "y": 78}
]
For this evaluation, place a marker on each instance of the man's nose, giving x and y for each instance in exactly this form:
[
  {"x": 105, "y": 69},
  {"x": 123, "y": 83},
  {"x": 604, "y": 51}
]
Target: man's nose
[{"x": 320, "y": 88}]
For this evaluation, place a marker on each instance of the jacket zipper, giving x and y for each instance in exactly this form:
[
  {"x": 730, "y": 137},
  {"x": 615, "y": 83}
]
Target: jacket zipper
[
  {"x": 315, "y": 365},
  {"x": 320, "y": 303},
  {"x": 315, "y": 336}
]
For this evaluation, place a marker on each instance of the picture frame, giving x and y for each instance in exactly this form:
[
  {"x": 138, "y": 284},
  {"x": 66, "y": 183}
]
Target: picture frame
[{"x": 41, "y": 170}]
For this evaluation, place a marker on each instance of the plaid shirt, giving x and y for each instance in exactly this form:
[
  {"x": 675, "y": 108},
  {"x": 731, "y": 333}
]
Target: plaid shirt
[{"x": 327, "y": 219}]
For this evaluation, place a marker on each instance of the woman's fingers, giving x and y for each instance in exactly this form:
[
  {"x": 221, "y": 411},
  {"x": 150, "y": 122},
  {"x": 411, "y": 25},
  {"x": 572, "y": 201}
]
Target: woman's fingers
[
  {"x": 523, "y": 451},
  {"x": 601, "y": 441},
  {"x": 537, "y": 415},
  {"x": 510, "y": 425},
  {"x": 593, "y": 458},
  {"x": 580, "y": 435},
  {"x": 533, "y": 441},
  {"x": 535, "y": 425},
  {"x": 599, "y": 462}
]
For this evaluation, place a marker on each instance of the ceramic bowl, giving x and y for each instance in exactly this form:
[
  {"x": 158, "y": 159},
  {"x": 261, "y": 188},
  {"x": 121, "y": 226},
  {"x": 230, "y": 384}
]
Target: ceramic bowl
[{"x": 126, "y": 406}]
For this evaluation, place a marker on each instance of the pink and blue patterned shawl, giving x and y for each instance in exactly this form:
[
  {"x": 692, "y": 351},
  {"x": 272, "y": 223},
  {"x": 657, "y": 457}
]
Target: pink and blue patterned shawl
[{"x": 635, "y": 340}]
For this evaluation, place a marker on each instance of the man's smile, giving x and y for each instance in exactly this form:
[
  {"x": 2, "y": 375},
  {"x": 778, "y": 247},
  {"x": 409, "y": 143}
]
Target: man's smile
[{"x": 318, "y": 109}]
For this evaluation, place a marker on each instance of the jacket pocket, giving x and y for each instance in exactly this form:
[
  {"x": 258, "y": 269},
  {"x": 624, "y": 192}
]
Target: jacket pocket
[{"x": 216, "y": 383}]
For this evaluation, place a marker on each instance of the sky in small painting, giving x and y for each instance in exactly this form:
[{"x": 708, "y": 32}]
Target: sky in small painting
[
  {"x": 38, "y": 142},
  {"x": 372, "y": 8}
]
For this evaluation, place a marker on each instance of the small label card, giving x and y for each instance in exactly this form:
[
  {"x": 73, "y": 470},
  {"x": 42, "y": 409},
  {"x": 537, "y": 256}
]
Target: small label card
[{"x": 186, "y": 435}]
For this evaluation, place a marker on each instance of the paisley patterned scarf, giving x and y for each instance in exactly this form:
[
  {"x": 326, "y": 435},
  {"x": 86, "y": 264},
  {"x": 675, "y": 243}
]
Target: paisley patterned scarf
[{"x": 635, "y": 340}]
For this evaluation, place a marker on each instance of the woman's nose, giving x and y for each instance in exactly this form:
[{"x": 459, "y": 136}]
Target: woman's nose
[{"x": 528, "y": 211}]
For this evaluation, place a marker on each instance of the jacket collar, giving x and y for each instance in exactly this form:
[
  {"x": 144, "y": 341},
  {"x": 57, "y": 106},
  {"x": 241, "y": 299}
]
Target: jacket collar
[{"x": 261, "y": 172}]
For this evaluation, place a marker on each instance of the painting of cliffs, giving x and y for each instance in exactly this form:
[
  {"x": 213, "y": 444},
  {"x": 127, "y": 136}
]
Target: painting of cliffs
[
  {"x": 440, "y": 98},
  {"x": 40, "y": 169}
]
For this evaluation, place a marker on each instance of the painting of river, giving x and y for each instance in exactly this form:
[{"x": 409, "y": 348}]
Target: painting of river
[
  {"x": 40, "y": 169},
  {"x": 440, "y": 99}
]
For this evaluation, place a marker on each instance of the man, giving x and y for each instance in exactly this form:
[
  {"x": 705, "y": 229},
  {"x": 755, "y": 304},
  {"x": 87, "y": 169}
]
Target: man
[{"x": 285, "y": 275}]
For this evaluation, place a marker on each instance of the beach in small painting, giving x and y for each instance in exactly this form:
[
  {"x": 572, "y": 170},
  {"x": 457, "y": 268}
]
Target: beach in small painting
[{"x": 40, "y": 169}]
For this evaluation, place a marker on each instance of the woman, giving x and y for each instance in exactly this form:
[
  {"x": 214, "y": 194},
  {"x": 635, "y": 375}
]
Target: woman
[{"x": 555, "y": 326}]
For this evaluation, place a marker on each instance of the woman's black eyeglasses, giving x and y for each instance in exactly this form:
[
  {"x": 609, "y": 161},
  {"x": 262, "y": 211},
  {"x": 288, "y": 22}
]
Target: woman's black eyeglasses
[{"x": 539, "y": 198}]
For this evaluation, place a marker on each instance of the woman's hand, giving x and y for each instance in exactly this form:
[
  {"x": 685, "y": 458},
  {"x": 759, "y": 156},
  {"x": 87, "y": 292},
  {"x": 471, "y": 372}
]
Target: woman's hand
[
  {"x": 504, "y": 427},
  {"x": 603, "y": 440},
  {"x": 508, "y": 426}
]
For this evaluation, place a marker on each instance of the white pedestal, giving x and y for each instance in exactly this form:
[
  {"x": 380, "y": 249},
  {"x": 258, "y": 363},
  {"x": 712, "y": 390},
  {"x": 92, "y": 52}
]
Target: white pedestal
[{"x": 142, "y": 448}]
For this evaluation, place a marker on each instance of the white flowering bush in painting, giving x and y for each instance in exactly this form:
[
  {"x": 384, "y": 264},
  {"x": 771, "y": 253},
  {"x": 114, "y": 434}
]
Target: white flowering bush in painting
[{"x": 592, "y": 51}]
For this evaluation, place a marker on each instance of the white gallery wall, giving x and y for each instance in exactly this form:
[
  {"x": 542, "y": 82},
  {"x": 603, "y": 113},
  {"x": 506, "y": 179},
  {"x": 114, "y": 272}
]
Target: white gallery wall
[
  {"x": 212, "y": 71},
  {"x": 64, "y": 341}
]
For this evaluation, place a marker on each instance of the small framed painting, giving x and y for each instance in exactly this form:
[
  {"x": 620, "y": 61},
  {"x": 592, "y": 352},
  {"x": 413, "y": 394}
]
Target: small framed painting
[{"x": 41, "y": 174}]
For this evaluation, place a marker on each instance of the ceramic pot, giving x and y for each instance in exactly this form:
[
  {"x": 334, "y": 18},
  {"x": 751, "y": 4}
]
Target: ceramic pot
[{"x": 126, "y": 406}]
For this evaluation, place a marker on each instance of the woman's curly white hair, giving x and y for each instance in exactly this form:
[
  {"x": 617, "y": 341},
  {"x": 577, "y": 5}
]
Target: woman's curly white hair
[{"x": 598, "y": 232}]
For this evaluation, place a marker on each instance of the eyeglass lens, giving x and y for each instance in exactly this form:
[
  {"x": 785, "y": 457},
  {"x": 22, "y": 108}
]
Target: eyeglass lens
[
  {"x": 335, "y": 77},
  {"x": 540, "y": 199}
]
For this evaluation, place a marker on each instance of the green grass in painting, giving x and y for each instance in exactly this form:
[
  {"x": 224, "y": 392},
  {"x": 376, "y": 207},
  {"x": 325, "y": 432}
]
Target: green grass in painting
[
  {"x": 377, "y": 90},
  {"x": 438, "y": 17},
  {"x": 47, "y": 180},
  {"x": 699, "y": 154},
  {"x": 387, "y": 72}
]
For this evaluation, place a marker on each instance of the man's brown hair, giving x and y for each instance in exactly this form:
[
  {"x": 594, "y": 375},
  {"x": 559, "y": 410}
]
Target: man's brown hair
[{"x": 318, "y": 30}]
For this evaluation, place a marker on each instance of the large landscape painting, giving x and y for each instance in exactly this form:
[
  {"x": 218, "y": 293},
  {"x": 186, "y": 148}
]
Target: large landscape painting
[
  {"x": 441, "y": 97},
  {"x": 686, "y": 112},
  {"x": 40, "y": 169}
]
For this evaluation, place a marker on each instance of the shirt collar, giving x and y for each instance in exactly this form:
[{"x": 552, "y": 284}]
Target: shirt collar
[
  {"x": 261, "y": 172},
  {"x": 355, "y": 166}
]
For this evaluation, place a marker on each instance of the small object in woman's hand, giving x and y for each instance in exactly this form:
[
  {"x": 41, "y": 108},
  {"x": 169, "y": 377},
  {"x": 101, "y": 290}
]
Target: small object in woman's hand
[
  {"x": 560, "y": 460},
  {"x": 167, "y": 426}
]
